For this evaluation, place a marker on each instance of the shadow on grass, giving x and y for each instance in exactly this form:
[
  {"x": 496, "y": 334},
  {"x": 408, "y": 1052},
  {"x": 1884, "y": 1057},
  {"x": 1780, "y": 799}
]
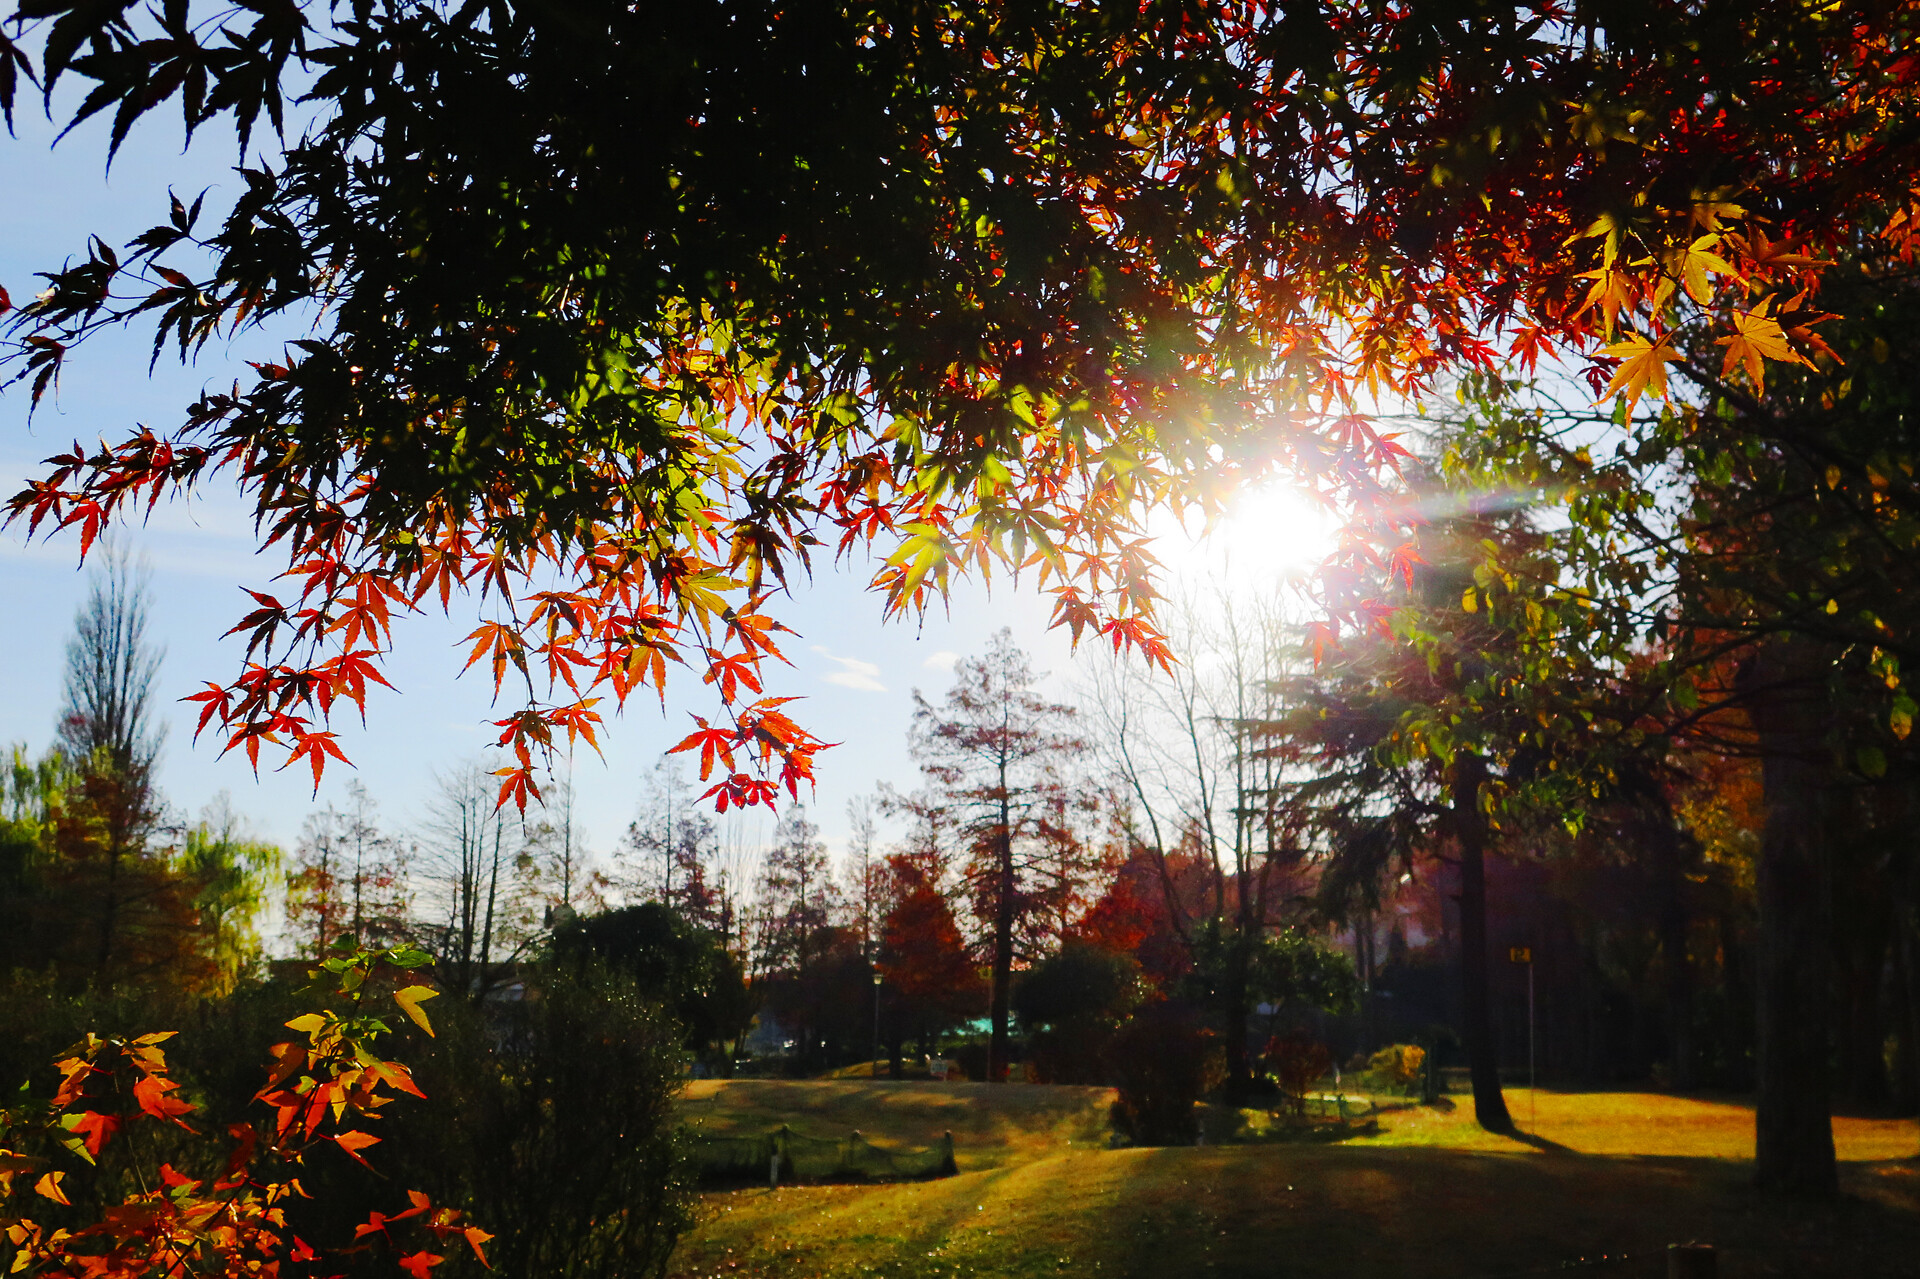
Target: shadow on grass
[
  {"x": 1538, "y": 1142},
  {"x": 1423, "y": 1213}
]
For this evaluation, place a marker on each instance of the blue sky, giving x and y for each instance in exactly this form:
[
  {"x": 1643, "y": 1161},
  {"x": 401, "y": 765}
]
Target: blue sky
[{"x": 855, "y": 672}]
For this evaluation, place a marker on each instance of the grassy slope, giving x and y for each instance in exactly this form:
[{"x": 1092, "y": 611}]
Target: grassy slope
[{"x": 1432, "y": 1196}]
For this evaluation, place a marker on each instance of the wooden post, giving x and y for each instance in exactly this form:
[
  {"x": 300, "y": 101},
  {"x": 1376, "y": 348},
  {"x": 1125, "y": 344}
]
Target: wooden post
[
  {"x": 779, "y": 1154},
  {"x": 1692, "y": 1261}
]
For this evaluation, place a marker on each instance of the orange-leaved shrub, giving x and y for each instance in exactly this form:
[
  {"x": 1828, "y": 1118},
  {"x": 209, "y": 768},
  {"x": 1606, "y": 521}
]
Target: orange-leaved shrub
[
  {"x": 1297, "y": 1063},
  {"x": 166, "y": 1198}
]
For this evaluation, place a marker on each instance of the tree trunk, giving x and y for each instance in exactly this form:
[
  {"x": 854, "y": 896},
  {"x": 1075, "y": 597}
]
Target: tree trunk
[
  {"x": 1239, "y": 1064},
  {"x": 1002, "y": 959},
  {"x": 110, "y": 907},
  {"x": 1793, "y": 1149},
  {"x": 1675, "y": 925},
  {"x": 486, "y": 930},
  {"x": 1470, "y": 833},
  {"x": 1863, "y": 962}
]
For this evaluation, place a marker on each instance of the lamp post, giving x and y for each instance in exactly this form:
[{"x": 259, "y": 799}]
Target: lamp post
[{"x": 876, "y": 1022}]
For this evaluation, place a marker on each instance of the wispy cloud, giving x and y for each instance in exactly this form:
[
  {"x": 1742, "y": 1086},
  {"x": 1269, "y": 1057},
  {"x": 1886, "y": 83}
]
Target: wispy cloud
[
  {"x": 942, "y": 660},
  {"x": 853, "y": 673}
]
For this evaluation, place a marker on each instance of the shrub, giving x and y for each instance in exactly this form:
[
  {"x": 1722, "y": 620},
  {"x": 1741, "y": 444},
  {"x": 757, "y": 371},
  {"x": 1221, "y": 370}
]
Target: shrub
[
  {"x": 1163, "y": 1061},
  {"x": 1297, "y": 1063},
  {"x": 969, "y": 1060},
  {"x": 1070, "y": 1004},
  {"x": 1398, "y": 1068},
  {"x": 177, "y": 1200},
  {"x": 566, "y": 1141},
  {"x": 551, "y": 1121}
]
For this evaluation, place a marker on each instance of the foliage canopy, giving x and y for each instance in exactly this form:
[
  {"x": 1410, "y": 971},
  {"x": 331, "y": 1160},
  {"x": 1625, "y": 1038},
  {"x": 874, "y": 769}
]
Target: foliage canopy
[{"x": 624, "y": 311}]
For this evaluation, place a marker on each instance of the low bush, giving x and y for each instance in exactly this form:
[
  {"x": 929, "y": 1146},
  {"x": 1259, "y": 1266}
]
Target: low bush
[
  {"x": 1398, "y": 1068},
  {"x": 1163, "y": 1062},
  {"x": 967, "y": 1060},
  {"x": 1297, "y": 1063}
]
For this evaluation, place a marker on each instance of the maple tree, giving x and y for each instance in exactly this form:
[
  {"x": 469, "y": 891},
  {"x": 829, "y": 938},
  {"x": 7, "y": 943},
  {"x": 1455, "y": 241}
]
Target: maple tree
[
  {"x": 931, "y": 979},
  {"x": 1739, "y": 560},
  {"x": 625, "y": 315}
]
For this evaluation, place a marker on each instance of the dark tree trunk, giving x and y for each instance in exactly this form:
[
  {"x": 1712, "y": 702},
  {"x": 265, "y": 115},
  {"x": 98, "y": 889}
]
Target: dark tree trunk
[
  {"x": 486, "y": 930},
  {"x": 1239, "y": 1064},
  {"x": 1470, "y": 834},
  {"x": 1793, "y": 1149},
  {"x": 110, "y": 907},
  {"x": 1675, "y": 925}
]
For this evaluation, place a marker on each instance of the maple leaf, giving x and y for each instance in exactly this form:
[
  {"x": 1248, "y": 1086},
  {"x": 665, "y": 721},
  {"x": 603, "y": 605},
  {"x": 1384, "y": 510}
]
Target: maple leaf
[
  {"x": 1695, "y": 263},
  {"x": 410, "y": 1000},
  {"x": 49, "y": 1187},
  {"x": 417, "y": 1264},
  {"x": 1757, "y": 337},
  {"x": 475, "y": 1237},
  {"x": 421, "y": 1203},
  {"x": 355, "y": 1142},
  {"x": 95, "y": 1128},
  {"x": 151, "y": 1092},
  {"x": 1643, "y": 368}
]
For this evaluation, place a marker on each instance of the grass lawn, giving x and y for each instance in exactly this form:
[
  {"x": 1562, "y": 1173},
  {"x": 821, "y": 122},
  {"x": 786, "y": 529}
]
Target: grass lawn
[{"x": 1039, "y": 1193}]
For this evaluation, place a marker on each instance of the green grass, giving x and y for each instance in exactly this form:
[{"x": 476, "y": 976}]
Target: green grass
[
  {"x": 1430, "y": 1196},
  {"x": 991, "y": 1127}
]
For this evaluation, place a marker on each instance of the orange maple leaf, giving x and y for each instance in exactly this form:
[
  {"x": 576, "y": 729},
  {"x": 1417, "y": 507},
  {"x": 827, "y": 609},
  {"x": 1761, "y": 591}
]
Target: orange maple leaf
[
  {"x": 417, "y": 1264},
  {"x": 151, "y": 1092},
  {"x": 1757, "y": 337},
  {"x": 475, "y": 1237},
  {"x": 1643, "y": 368},
  {"x": 355, "y": 1142}
]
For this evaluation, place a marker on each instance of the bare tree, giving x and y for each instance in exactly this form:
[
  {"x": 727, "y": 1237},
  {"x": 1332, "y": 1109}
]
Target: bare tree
[
  {"x": 560, "y": 858},
  {"x": 1207, "y": 789},
  {"x": 107, "y": 728},
  {"x": 477, "y": 870},
  {"x": 863, "y": 870},
  {"x": 107, "y": 701},
  {"x": 349, "y": 877}
]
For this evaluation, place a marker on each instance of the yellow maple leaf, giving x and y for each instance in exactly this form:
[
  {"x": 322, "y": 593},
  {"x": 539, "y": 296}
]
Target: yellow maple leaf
[
  {"x": 410, "y": 1000},
  {"x": 1698, "y": 259},
  {"x": 1643, "y": 368},
  {"x": 1756, "y": 338}
]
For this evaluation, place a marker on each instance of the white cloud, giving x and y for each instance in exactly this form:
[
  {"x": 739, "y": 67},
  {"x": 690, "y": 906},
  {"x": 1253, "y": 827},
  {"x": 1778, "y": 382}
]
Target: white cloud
[
  {"x": 853, "y": 673},
  {"x": 942, "y": 660}
]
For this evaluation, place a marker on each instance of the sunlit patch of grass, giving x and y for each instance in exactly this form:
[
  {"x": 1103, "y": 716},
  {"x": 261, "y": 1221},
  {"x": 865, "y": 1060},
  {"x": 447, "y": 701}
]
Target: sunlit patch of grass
[
  {"x": 1432, "y": 1196},
  {"x": 1628, "y": 1124},
  {"x": 991, "y": 1125}
]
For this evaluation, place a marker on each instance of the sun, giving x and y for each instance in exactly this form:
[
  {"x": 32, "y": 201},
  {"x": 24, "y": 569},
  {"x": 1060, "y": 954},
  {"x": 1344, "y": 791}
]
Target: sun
[{"x": 1270, "y": 536}]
